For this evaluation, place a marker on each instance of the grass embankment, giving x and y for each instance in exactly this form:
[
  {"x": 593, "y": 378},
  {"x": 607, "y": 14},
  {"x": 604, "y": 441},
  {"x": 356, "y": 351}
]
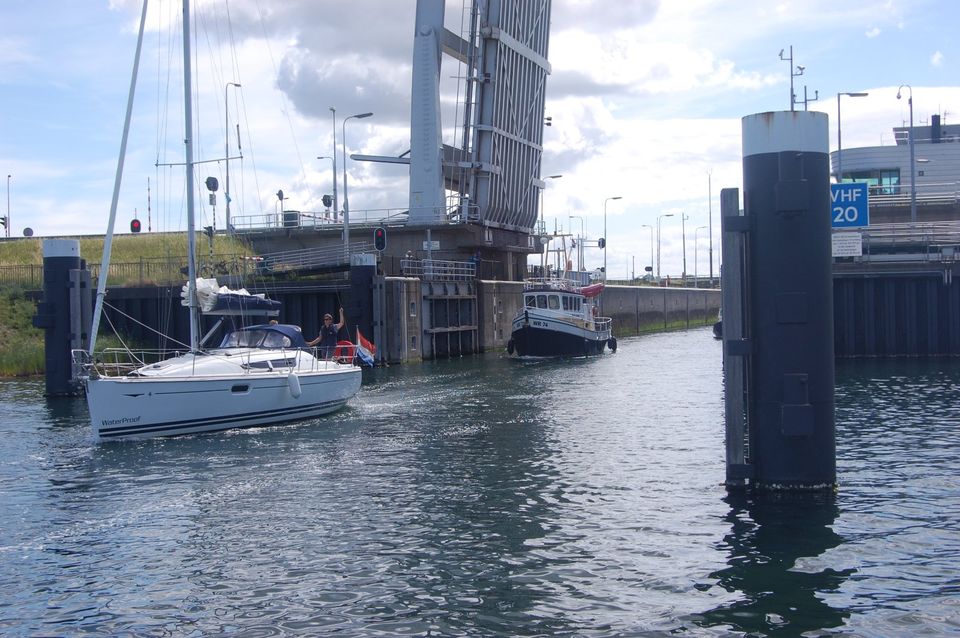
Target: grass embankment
[
  {"x": 21, "y": 345},
  {"x": 138, "y": 259}
]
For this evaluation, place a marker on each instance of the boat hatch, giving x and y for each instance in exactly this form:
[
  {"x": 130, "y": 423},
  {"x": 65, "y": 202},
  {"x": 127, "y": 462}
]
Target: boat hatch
[
  {"x": 240, "y": 388},
  {"x": 272, "y": 364}
]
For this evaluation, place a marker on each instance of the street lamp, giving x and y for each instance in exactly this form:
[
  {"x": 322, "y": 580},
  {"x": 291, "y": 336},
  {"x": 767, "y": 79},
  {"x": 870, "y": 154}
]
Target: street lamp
[
  {"x": 658, "y": 243},
  {"x": 579, "y": 243},
  {"x": 346, "y": 204},
  {"x": 605, "y": 233},
  {"x": 333, "y": 162},
  {"x": 336, "y": 205},
  {"x": 913, "y": 167},
  {"x": 226, "y": 152},
  {"x": 651, "y": 244},
  {"x": 839, "y": 138},
  {"x": 710, "y": 220},
  {"x": 696, "y": 274},
  {"x": 683, "y": 237},
  {"x": 543, "y": 226},
  {"x": 7, "y": 229}
]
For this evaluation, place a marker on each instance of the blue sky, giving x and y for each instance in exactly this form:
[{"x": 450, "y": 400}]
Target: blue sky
[{"x": 646, "y": 98}]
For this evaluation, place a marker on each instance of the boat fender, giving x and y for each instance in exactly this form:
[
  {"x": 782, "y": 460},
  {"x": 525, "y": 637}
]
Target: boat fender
[
  {"x": 612, "y": 344},
  {"x": 293, "y": 382},
  {"x": 510, "y": 346}
]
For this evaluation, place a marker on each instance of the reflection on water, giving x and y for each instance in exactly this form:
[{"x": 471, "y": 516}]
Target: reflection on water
[
  {"x": 772, "y": 540},
  {"x": 486, "y": 496}
]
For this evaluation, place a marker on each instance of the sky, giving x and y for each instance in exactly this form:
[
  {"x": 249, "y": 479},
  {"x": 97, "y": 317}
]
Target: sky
[{"x": 646, "y": 99}]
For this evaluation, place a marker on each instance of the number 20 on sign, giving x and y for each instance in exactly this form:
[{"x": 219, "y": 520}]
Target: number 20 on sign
[{"x": 849, "y": 207}]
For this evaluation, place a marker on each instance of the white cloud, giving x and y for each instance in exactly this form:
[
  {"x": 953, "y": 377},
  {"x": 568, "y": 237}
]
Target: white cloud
[
  {"x": 937, "y": 59},
  {"x": 873, "y": 32}
]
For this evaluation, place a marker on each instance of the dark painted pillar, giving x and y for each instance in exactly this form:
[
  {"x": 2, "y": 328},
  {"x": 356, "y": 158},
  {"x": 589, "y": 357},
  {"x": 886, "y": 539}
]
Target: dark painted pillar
[
  {"x": 363, "y": 270},
  {"x": 64, "y": 313},
  {"x": 790, "y": 311}
]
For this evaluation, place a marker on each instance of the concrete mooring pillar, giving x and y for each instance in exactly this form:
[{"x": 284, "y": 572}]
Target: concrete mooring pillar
[
  {"x": 64, "y": 314},
  {"x": 788, "y": 309}
]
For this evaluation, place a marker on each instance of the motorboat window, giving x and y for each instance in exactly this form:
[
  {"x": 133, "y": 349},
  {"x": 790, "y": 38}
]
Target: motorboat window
[
  {"x": 566, "y": 302},
  {"x": 541, "y": 301},
  {"x": 530, "y": 301},
  {"x": 554, "y": 301},
  {"x": 276, "y": 340},
  {"x": 243, "y": 339}
]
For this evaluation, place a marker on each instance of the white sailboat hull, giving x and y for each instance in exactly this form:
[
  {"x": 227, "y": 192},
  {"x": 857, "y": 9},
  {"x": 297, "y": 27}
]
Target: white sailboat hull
[{"x": 171, "y": 404}]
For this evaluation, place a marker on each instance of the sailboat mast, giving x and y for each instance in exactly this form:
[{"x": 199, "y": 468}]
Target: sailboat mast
[
  {"x": 188, "y": 150},
  {"x": 108, "y": 239}
]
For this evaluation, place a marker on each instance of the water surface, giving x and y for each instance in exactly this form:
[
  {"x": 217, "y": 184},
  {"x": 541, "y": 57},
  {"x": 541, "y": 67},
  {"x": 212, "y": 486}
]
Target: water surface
[{"x": 487, "y": 496}]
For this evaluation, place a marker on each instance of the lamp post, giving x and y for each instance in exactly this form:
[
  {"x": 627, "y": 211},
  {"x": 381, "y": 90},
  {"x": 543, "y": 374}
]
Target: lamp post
[
  {"x": 605, "y": 233},
  {"x": 336, "y": 205},
  {"x": 543, "y": 227},
  {"x": 710, "y": 220},
  {"x": 579, "y": 243},
  {"x": 839, "y": 135},
  {"x": 683, "y": 237},
  {"x": 696, "y": 273},
  {"x": 7, "y": 229},
  {"x": 346, "y": 202},
  {"x": 226, "y": 152},
  {"x": 651, "y": 244},
  {"x": 333, "y": 162},
  {"x": 658, "y": 243},
  {"x": 913, "y": 167}
]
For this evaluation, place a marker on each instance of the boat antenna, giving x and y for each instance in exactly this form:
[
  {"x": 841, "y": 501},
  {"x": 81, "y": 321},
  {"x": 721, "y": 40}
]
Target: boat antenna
[{"x": 108, "y": 239}]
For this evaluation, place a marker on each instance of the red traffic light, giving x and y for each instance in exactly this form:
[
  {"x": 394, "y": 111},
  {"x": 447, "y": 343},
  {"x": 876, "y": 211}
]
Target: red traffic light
[
  {"x": 380, "y": 238},
  {"x": 135, "y": 226}
]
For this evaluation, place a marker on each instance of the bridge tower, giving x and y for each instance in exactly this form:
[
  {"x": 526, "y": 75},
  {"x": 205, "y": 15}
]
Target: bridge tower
[{"x": 494, "y": 172}]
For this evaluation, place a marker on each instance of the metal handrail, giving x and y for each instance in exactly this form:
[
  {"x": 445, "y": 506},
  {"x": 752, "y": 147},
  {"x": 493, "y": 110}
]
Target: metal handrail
[
  {"x": 439, "y": 270},
  {"x": 453, "y": 213}
]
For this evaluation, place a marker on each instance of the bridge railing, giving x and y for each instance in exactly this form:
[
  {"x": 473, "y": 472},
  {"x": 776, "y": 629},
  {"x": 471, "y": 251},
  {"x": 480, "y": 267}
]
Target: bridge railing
[
  {"x": 453, "y": 213},
  {"x": 923, "y": 233},
  {"x": 311, "y": 258},
  {"x": 438, "y": 269}
]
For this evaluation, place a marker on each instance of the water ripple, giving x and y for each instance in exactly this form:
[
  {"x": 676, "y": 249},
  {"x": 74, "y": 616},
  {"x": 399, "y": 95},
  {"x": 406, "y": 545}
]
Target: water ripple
[{"x": 488, "y": 497}]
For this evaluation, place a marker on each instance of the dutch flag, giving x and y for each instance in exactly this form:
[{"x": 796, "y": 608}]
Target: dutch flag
[{"x": 365, "y": 350}]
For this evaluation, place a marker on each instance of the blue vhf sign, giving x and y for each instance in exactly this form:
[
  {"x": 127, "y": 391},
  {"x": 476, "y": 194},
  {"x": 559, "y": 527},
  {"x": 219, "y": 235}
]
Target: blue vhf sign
[{"x": 849, "y": 207}]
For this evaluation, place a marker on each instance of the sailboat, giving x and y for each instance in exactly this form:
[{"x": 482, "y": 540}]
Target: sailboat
[{"x": 258, "y": 375}]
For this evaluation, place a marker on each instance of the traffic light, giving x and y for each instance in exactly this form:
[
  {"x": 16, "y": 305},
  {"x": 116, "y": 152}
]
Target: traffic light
[
  {"x": 380, "y": 238},
  {"x": 327, "y": 201},
  {"x": 134, "y": 225},
  {"x": 602, "y": 242}
]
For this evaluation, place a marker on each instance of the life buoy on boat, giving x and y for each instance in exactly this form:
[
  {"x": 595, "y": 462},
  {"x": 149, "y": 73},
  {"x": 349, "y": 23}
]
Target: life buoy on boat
[
  {"x": 510, "y": 346},
  {"x": 344, "y": 352}
]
